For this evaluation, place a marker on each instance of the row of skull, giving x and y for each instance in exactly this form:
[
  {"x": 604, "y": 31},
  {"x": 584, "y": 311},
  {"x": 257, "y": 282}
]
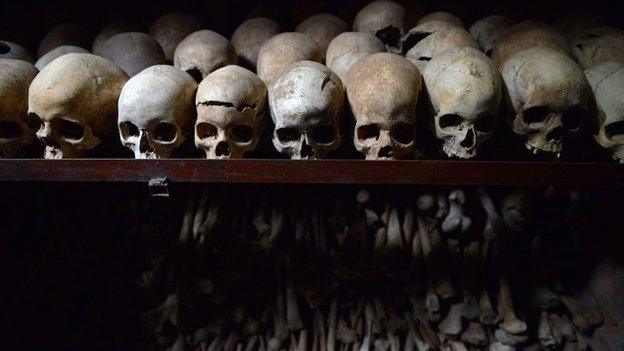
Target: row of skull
[{"x": 531, "y": 68}]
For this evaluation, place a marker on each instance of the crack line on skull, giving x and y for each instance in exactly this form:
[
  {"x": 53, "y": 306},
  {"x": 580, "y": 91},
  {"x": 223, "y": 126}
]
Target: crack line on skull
[{"x": 240, "y": 108}]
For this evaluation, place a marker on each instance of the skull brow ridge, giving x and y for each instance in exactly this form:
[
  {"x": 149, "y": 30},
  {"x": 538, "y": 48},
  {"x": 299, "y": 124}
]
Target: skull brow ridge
[{"x": 240, "y": 108}]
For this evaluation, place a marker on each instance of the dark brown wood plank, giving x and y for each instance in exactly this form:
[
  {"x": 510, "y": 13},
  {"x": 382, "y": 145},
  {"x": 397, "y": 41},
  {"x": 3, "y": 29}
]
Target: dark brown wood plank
[{"x": 321, "y": 171}]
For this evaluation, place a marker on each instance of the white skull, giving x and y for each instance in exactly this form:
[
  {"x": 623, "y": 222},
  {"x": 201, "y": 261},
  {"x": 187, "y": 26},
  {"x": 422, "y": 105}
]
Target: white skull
[
  {"x": 249, "y": 37},
  {"x": 203, "y": 52},
  {"x": 323, "y": 28},
  {"x": 284, "y": 49},
  {"x": 549, "y": 94},
  {"x": 64, "y": 34},
  {"x": 171, "y": 28},
  {"x": 385, "y": 19},
  {"x": 488, "y": 29},
  {"x": 442, "y": 16},
  {"x": 133, "y": 52},
  {"x": 607, "y": 82},
  {"x": 156, "y": 111},
  {"x": 15, "y": 78},
  {"x": 9, "y": 50},
  {"x": 231, "y": 105},
  {"x": 75, "y": 97},
  {"x": 306, "y": 106},
  {"x": 383, "y": 92},
  {"x": 56, "y": 53},
  {"x": 465, "y": 92},
  {"x": 599, "y": 45},
  {"x": 436, "y": 42},
  {"x": 350, "y": 47},
  {"x": 525, "y": 35},
  {"x": 110, "y": 30}
]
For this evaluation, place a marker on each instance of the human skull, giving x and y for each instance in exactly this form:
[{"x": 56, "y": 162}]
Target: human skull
[
  {"x": 572, "y": 23},
  {"x": 525, "y": 35},
  {"x": 171, "y": 28},
  {"x": 607, "y": 82},
  {"x": 56, "y": 53},
  {"x": 549, "y": 94},
  {"x": 350, "y": 47},
  {"x": 323, "y": 28},
  {"x": 111, "y": 30},
  {"x": 9, "y": 50},
  {"x": 133, "y": 52},
  {"x": 306, "y": 105},
  {"x": 599, "y": 45},
  {"x": 15, "y": 133},
  {"x": 385, "y": 19},
  {"x": 435, "y": 43},
  {"x": 231, "y": 108},
  {"x": 64, "y": 34},
  {"x": 465, "y": 92},
  {"x": 442, "y": 16},
  {"x": 156, "y": 111},
  {"x": 383, "y": 92},
  {"x": 488, "y": 29},
  {"x": 202, "y": 52},
  {"x": 281, "y": 51},
  {"x": 75, "y": 97},
  {"x": 249, "y": 37}
]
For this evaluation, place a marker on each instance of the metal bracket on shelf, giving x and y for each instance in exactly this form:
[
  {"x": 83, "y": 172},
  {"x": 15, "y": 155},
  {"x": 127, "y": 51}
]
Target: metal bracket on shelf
[{"x": 159, "y": 186}]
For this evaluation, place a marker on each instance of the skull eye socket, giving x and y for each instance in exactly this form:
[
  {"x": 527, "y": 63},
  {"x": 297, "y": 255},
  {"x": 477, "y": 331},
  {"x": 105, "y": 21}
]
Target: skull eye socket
[
  {"x": 324, "y": 134},
  {"x": 9, "y": 130},
  {"x": 368, "y": 131},
  {"x": 206, "y": 130},
  {"x": 403, "y": 133},
  {"x": 573, "y": 118},
  {"x": 128, "y": 129},
  {"x": 70, "y": 130},
  {"x": 447, "y": 121},
  {"x": 486, "y": 123},
  {"x": 535, "y": 114},
  {"x": 286, "y": 135},
  {"x": 243, "y": 133},
  {"x": 614, "y": 129},
  {"x": 165, "y": 132}
]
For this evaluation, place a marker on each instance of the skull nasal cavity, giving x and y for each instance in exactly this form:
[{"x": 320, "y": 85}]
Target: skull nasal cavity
[
  {"x": 306, "y": 150},
  {"x": 385, "y": 151},
  {"x": 4, "y": 49},
  {"x": 469, "y": 140},
  {"x": 555, "y": 134},
  {"x": 223, "y": 149}
]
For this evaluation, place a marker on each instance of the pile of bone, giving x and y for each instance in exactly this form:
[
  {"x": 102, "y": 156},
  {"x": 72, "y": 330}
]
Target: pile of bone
[
  {"x": 545, "y": 83},
  {"x": 441, "y": 273}
]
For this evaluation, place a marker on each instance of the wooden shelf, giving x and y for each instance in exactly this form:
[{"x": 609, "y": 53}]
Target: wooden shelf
[{"x": 314, "y": 172}]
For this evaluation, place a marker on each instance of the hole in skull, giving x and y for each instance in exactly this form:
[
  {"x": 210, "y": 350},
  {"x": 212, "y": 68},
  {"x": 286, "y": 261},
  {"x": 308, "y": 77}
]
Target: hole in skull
[
  {"x": 243, "y": 133},
  {"x": 4, "y": 49},
  {"x": 412, "y": 39},
  {"x": 385, "y": 151},
  {"x": 486, "y": 123},
  {"x": 368, "y": 131},
  {"x": 206, "y": 130},
  {"x": 447, "y": 121},
  {"x": 286, "y": 135},
  {"x": 9, "y": 130},
  {"x": 403, "y": 133},
  {"x": 324, "y": 134},
  {"x": 424, "y": 58},
  {"x": 389, "y": 35},
  {"x": 579, "y": 46},
  {"x": 196, "y": 74},
  {"x": 165, "y": 132},
  {"x": 574, "y": 117},
  {"x": 469, "y": 140},
  {"x": 222, "y": 149},
  {"x": 614, "y": 129},
  {"x": 555, "y": 135},
  {"x": 128, "y": 129},
  {"x": 535, "y": 114},
  {"x": 488, "y": 52},
  {"x": 70, "y": 129}
]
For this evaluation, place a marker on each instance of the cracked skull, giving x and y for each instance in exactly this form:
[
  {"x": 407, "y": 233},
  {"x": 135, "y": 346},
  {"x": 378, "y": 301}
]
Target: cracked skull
[
  {"x": 465, "y": 92},
  {"x": 383, "y": 92},
  {"x": 231, "y": 105},
  {"x": 75, "y": 98},
  {"x": 156, "y": 111},
  {"x": 15, "y": 133},
  {"x": 306, "y": 106},
  {"x": 427, "y": 41},
  {"x": 549, "y": 94},
  {"x": 385, "y": 19},
  {"x": 607, "y": 82}
]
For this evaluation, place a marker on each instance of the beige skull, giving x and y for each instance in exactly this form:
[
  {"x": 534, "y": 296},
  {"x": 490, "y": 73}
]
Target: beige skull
[
  {"x": 56, "y": 53},
  {"x": 385, "y": 19},
  {"x": 64, "y": 34},
  {"x": 284, "y": 49},
  {"x": 323, "y": 28},
  {"x": 170, "y": 29},
  {"x": 231, "y": 111},
  {"x": 75, "y": 97},
  {"x": 203, "y": 52},
  {"x": 488, "y": 29},
  {"x": 442, "y": 16},
  {"x": 465, "y": 92},
  {"x": 110, "y": 30},
  {"x": 436, "y": 42},
  {"x": 383, "y": 92},
  {"x": 9, "y": 50},
  {"x": 156, "y": 111},
  {"x": 607, "y": 82},
  {"x": 599, "y": 45},
  {"x": 15, "y": 133},
  {"x": 133, "y": 52},
  {"x": 350, "y": 47},
  {"x": 306, "y": 106},
  {"x": 249, "y": 37},
  {"x": 549, "y": 94}
]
